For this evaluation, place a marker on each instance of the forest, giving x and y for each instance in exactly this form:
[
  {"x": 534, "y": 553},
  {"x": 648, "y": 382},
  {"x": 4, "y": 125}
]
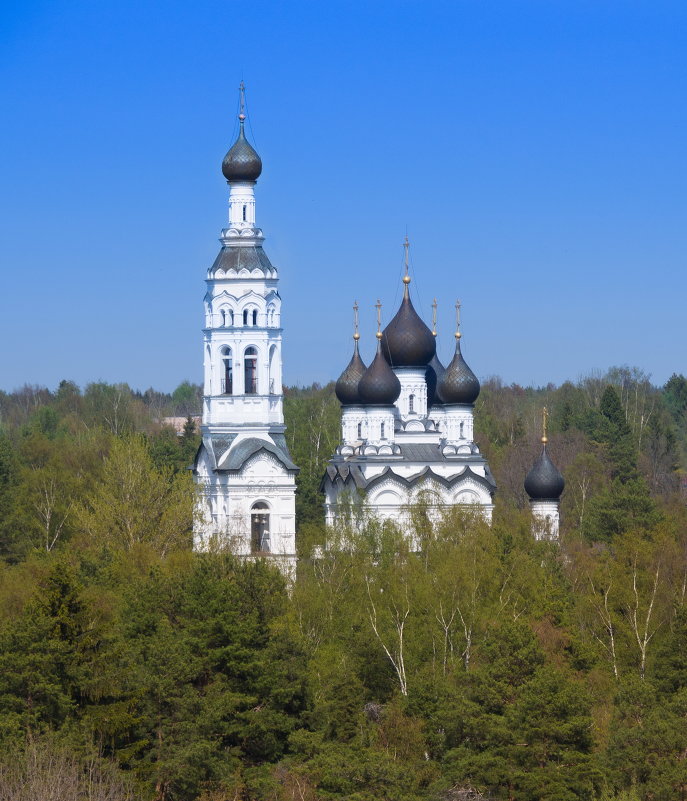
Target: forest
[{"x": 485, "y": 666}]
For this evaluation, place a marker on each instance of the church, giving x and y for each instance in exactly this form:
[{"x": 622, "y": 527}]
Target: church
[
  {"x": 243, "y": 467},
  {"x": 407, "y": 427}
]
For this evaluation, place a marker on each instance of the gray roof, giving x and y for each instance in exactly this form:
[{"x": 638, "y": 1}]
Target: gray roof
[
  {"x": 422, "y": 452},
  {"x": 238, "y": 257},
  {"x": 217, "y": 447},
  {"x": 240, "y": 453}
]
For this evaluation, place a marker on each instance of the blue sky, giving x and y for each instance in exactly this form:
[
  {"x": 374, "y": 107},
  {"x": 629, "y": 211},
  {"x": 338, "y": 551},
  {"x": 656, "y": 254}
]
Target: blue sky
[{"x": 533, "y": 150}]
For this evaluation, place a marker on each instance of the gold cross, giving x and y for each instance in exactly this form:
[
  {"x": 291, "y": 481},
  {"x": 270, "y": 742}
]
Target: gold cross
[{"x": 378, "y": 306}]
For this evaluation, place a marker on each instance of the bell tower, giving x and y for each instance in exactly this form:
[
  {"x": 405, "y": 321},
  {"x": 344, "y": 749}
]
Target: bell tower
[{"x": 243, "y": 466}]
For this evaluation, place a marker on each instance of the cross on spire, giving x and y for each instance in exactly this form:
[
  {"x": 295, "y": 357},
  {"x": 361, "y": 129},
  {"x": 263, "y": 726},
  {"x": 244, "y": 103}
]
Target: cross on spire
[
  {"x": 242, "y": 101},
  {"x": 434, "y": 317},
  {"x": 458, "y": 305},
  {"x": 544, "y": 425},
  {"x": 406, "y": 277},
  {"x": 378, "y": 306},
  {"x": 356, "y": 335}
]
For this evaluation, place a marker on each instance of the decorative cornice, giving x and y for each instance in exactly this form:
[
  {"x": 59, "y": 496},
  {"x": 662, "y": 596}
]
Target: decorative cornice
[{"x": 353, "y": 473}]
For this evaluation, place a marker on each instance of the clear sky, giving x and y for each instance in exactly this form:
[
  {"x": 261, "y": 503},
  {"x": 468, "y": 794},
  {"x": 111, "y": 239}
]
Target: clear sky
[{"x": 534, "y": 150}]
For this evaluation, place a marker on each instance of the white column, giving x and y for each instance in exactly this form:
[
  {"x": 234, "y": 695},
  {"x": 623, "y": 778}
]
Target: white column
[
  {"x": 412, "y": 380},
  {"x": 458, "y": 423},
  {"x": 545, "y": 519},
  {"x": 351, "y": 418},
  {"x": 242, "y": 205},
  {"x": 380, "y": 425}
]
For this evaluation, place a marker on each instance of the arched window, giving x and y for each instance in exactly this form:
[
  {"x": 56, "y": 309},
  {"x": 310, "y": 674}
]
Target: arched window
[
  {"x": 255, "y": 316},
  {"x": 411, "y": 404},
  {"x": 231, "y": 317},
  {"x": 381, "y": 432},
  {"x": 461, "y": 429},
  {"x": 260, "y": 528},
  {"x": 360, "y": 430},
  {"x": 245, "y": 316},
  {"x": 228, "y": 373},
  {"x": 244, "y": 213},
  {"x": 250, "y": 371},
  {"x": 221, "y": 314}
]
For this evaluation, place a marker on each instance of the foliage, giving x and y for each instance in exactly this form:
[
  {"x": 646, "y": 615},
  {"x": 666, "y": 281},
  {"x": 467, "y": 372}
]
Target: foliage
[{"x": 453, "y": 660}]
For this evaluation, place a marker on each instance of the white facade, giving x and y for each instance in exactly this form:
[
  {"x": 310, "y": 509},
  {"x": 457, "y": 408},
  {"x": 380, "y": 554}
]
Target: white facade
[
  {"x": 243, "y": 466},
  {"x": 422, "y": 455},
  {"x": 545, "y": 519}
]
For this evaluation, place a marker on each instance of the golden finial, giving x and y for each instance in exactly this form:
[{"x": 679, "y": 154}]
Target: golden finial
[
  {"x": 458, "y": 334},
  {"x": 434, "y": 317},
  {"x": 242, "y": 97},
  {"x": 544, "y": 420},
  {"x": 406, "y": 277},
  {"x": 356, "y": 335},
  {"x": 378, "y": 306}
]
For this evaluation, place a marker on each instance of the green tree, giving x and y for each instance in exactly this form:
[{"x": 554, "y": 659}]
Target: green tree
[
  {"x": 187, "y": 398},
  {"x": 135, "y": 503}
]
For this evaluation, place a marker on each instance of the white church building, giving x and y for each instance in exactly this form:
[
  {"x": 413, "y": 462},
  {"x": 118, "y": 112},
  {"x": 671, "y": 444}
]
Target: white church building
[
  {"x": 407, "y": 429},
  {"x": 407, "y": 432},
  {"x": 243, "y": 467}
]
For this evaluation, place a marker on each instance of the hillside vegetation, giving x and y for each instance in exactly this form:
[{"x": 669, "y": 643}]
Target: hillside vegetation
[{"x": 486, "y": 665}]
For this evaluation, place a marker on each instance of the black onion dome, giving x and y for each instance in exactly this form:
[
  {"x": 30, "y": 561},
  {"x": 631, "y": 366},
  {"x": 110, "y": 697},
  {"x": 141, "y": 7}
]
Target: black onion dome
[
  {"x": 379, "y": 385},
  {"x": 406, "y": 341},
  {"x": 458, "y": 384},
  {"x": 347, "y": 386},
  {"x": 544, "y": 482},
  {"x": 434, "y": 373},
  {"x": 241, "y": 163}
]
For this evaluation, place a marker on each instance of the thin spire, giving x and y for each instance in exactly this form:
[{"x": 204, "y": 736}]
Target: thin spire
[
  {"x": 356, "y": 334},
  {"x": 378, "y": 306},
  {"x": 242, "y": 102},
  {"x": 406, "y": 277},
  {"x": 434, "y": 317},
  {"x": 544, "y": 425},
  {"x": 458, "y": 334}
]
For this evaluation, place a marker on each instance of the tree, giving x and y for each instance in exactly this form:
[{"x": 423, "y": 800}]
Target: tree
[
  {"x": 187, "y": 398},
  {"x": 675, "y": 396},
  {"x": 313, "y": 429},
  {"x": 8, "y": 481},
  {"x": 135, "y": 503},
  {"x": 614, "y": 431},
  {"x": 44, "y": 769}
]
